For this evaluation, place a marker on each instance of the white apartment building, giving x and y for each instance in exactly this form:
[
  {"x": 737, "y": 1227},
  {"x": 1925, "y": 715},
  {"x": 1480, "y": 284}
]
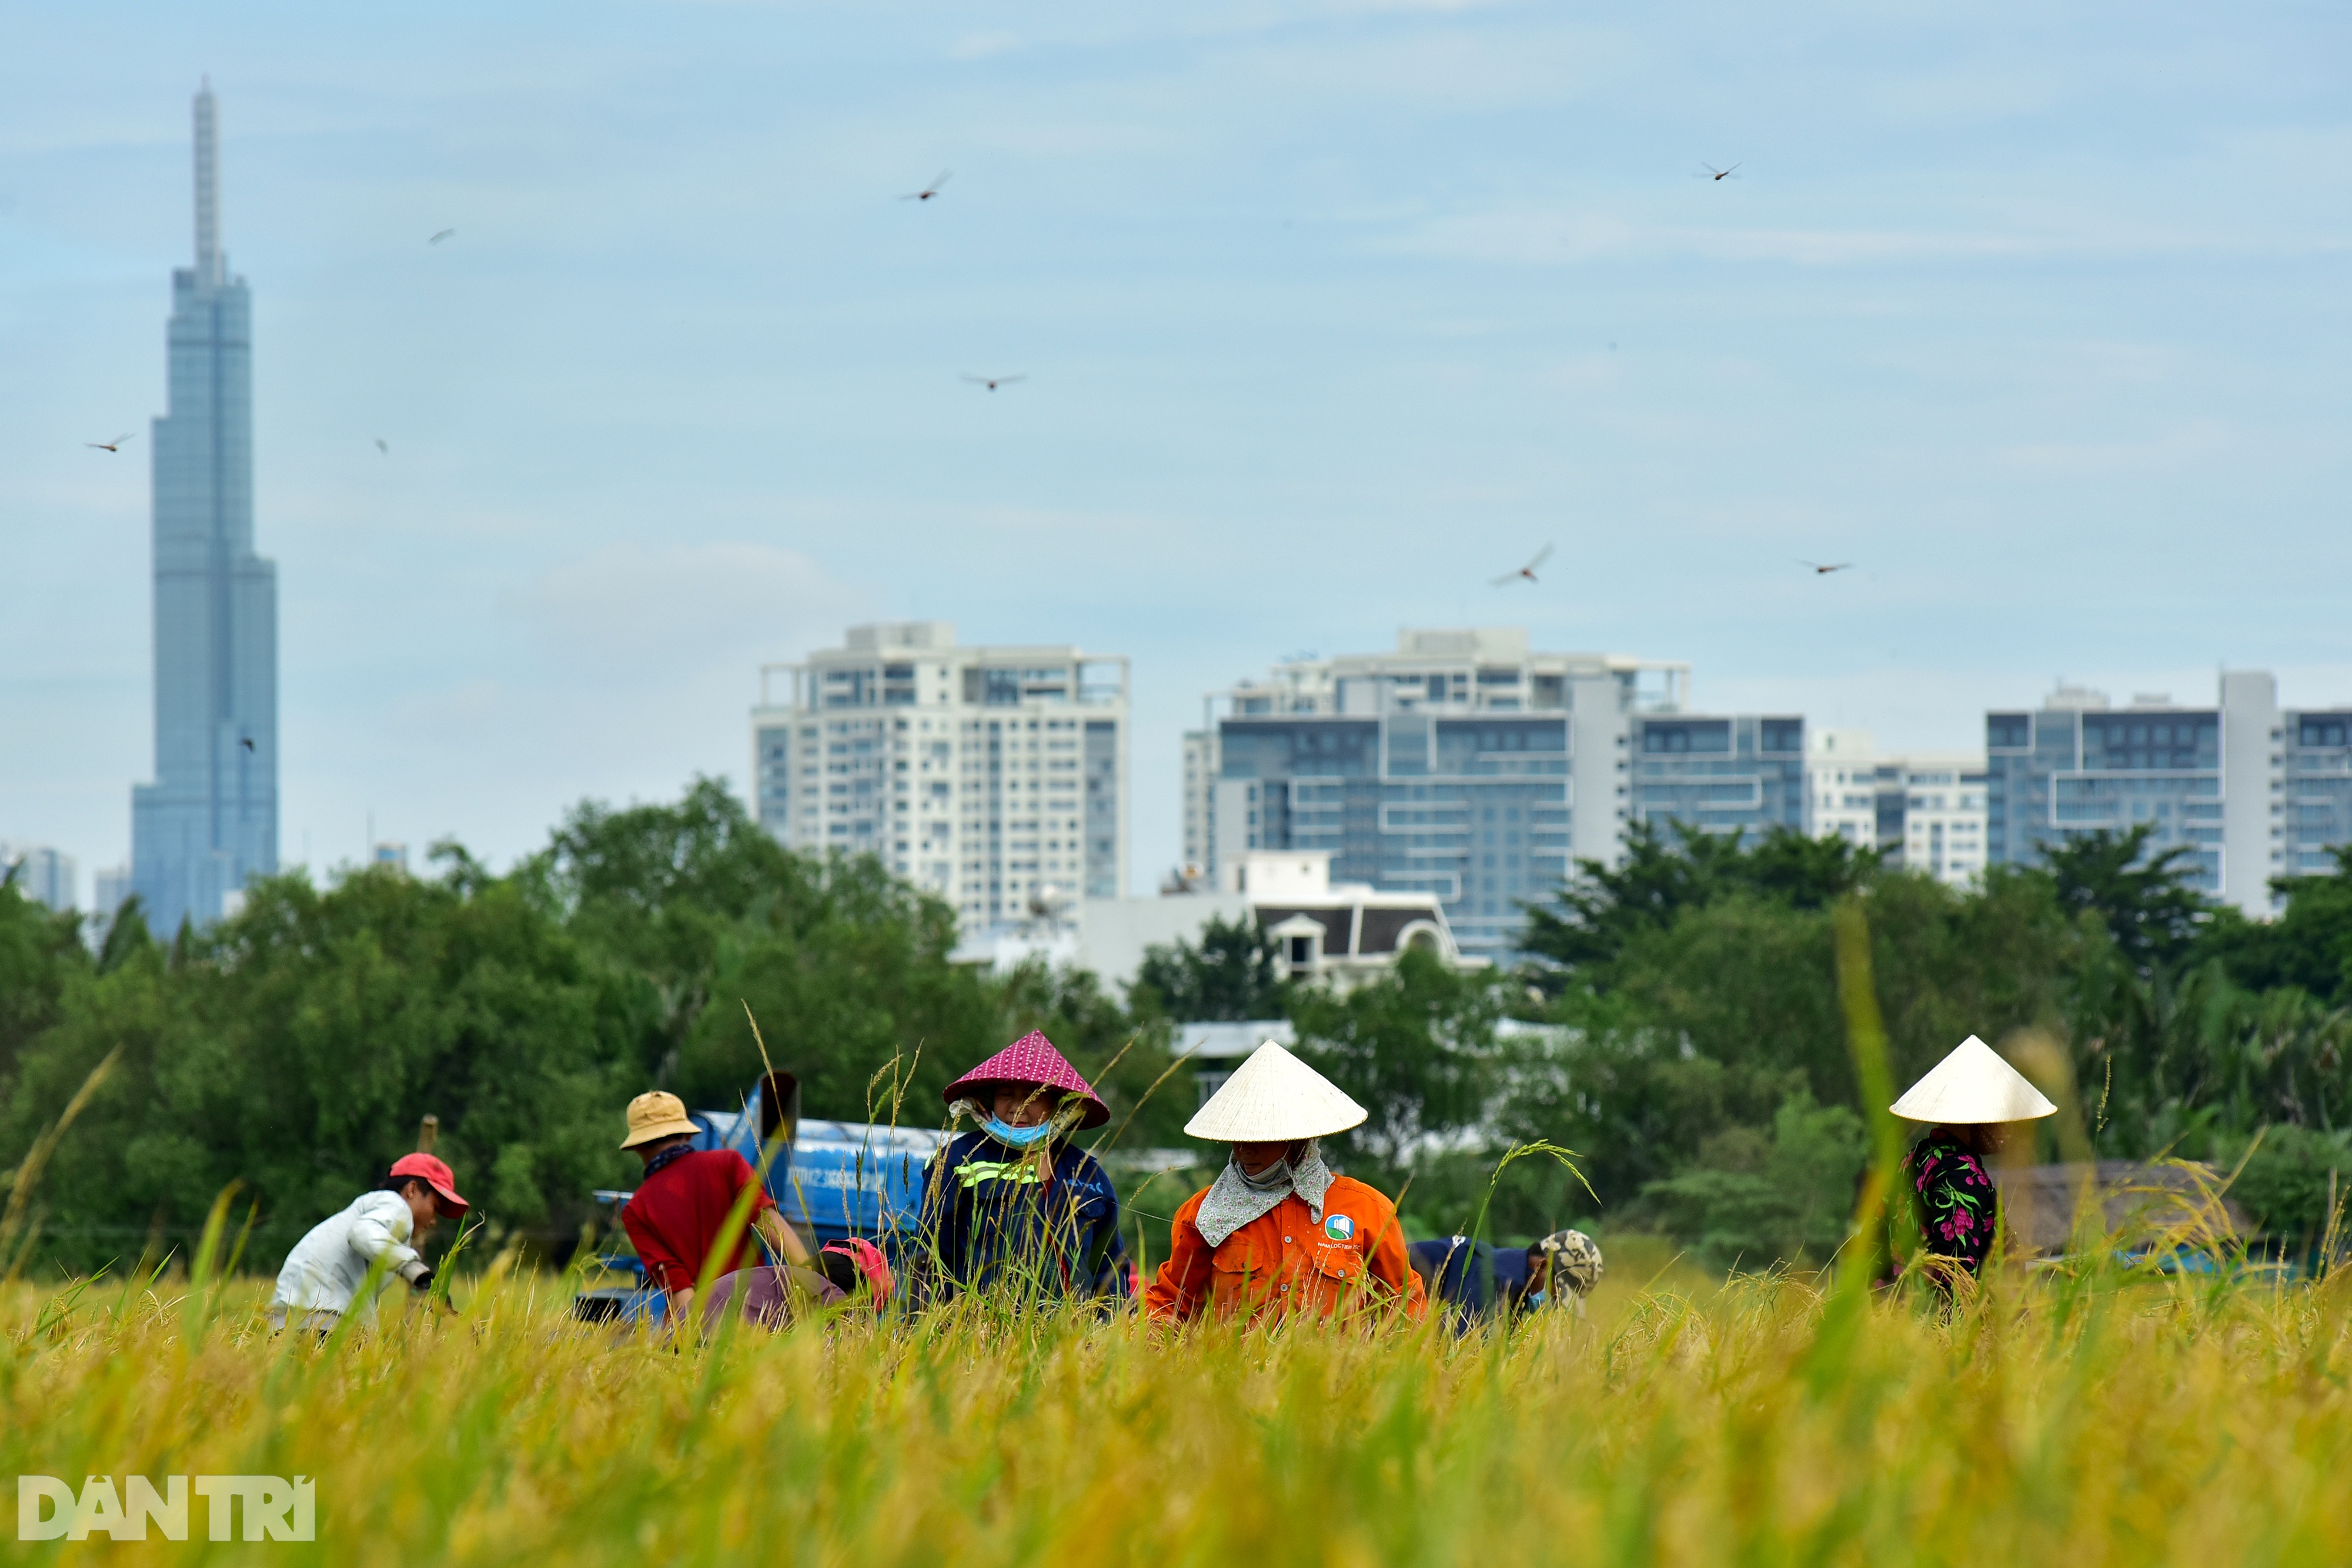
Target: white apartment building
[
  {"x": 1928, "y": 809},
  {"x": 1469, "y": 766},
  {"x": 43, "y": 874},
  {"x": 1455, "y": 673},
  {"x": 109, "y": 886},
  {"x": 991, "y": 777},
  {"x": 2248, "y": 792}
]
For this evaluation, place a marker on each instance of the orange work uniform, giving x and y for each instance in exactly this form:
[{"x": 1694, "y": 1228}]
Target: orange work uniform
[{"x": 1353, "y": 1263}]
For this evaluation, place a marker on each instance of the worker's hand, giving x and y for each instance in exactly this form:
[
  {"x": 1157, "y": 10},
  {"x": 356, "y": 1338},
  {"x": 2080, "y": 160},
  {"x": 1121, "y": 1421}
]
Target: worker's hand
[
  {"x": 422, "y": 1281},
  {"x": 782, "y": 1239}
]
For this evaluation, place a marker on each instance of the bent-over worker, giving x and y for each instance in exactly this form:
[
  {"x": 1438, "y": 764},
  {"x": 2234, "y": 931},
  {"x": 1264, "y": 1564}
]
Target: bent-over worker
[
  {"x": 324, "y": 1272},
  {"x": 1473, "y": 1280},
  {"x": 1277, "y": 1233},
  {"x": 682, "y": 1202}
]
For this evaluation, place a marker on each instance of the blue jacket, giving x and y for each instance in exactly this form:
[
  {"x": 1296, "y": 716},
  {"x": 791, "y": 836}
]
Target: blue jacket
[
  {"x": 990, "y": 1217},
  {"x": 1472, "y": 1279}
]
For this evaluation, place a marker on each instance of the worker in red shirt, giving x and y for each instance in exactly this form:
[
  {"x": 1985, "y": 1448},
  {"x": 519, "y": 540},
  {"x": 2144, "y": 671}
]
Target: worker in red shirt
[
  {"x": 675, "y": 1216},
  {"x": 1278, "y": 1234}
]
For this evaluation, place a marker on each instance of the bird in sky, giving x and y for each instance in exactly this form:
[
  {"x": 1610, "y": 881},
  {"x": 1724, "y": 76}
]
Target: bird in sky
[
  {"x": 113, "y": 445},
  {"x": 1714, "y": 173},
  {"x": 380, "y": 446},
  {"x": 992, "y": 382},
  {"x": 1821, "y": 570},
  {"x": 927, "y": 192},
  {"x": 437, "y": 239},
  {"x": 246, "y": 741},
  {"x": 1527, "y": 572}
]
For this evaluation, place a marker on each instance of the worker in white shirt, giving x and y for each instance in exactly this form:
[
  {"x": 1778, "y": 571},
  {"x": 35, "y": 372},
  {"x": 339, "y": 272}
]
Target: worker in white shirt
[{"x": 325, "y": 1270}]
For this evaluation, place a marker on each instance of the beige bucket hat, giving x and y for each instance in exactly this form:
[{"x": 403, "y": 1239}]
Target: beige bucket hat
[
  {"x": 656, "y": 1115},
  {"x": 1972, "y": 1084},
  {"x": 1274, "y": 1098}
]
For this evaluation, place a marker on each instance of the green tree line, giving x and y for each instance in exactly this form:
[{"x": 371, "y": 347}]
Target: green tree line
[
  {"x": 1677, "y": 1026},
  {"x": 294, "y": 1047}
]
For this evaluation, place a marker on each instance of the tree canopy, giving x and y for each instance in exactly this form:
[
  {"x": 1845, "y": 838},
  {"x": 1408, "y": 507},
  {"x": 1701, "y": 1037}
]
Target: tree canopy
[
  {"x": 1595, "y": 916},
  {"x": 1229, "y": 976},
  {"x": 1677, "y": 1026},
  {"x": 294, "y": 1047}
]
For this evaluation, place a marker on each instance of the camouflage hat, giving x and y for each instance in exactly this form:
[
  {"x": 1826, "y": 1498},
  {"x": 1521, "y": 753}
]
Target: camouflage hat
[{"x": 1575, "y": 1260}]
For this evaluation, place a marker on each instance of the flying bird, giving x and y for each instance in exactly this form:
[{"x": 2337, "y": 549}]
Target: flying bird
[
  {"x": 1527, "y": 572},
  {"x": 380, "y": 446},
  {"x": 437, "y": 239},
  {"x": 927, "y": 192},
  {"x": 1714, "y": 173},
  {"x": 992, "y": 382},
  {"x": 246, "y": 741},
  {"x": 1821, "y": 570},
  {"x": 113, "y": 445}
]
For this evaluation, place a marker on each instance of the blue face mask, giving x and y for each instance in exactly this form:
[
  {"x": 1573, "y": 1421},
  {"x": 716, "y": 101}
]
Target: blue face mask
[{"x": 1019, "y": 1138}]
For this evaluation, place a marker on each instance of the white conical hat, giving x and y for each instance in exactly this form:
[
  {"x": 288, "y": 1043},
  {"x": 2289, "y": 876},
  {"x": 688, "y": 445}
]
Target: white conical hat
[
  {"x": 1274, "y": 1098},
  {"x": 1972, "y": 1084}
]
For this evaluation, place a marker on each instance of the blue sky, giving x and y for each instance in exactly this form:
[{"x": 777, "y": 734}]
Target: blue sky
[{"x": 1330, "y": 311}]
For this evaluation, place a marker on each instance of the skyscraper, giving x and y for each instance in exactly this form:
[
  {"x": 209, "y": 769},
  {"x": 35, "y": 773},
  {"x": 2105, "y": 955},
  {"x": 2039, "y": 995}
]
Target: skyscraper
[{"x": 209, "y": 821}]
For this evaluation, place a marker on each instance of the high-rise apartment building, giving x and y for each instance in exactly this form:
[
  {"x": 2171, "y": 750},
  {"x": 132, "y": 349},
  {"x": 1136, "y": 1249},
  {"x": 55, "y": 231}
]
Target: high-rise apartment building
[
  {"x": 992, "y": 777},
  {"x": 42, "y": 874},
  {"x": 2253, "y": 792},
  {"x": 109, "y": 886},
  {"x": 1926, "y": 809},
  {"x": 209, "y": 821},
  {"x": 1467, "y": 766}
]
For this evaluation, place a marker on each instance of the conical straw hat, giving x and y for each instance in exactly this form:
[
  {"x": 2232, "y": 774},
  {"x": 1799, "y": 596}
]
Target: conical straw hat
[
  {"x": 1972, "y": 1084},
  {"x": 1274, "y": 1098},
  {"x": 1031, "y": 1058}
]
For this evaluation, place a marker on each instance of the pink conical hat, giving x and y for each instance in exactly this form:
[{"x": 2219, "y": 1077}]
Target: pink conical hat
[{"x": 1031, "y": 1058}]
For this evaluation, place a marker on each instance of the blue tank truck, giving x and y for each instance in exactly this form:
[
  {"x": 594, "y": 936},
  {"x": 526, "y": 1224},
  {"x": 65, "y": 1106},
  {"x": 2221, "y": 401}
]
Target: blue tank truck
[{"x": 831, "y": 1180}]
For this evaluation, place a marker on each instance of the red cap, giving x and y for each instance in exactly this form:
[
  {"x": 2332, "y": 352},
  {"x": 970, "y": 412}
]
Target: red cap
[
  {"x": 870, "y": 1263},
  {"x": 1031, "y": 1058},
  {"x": 434, "y": 1174}
]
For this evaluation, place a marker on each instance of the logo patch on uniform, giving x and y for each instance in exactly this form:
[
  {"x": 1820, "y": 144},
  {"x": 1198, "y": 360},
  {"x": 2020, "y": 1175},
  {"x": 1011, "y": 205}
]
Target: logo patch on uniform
[{"x": 1338, "y": 1228}]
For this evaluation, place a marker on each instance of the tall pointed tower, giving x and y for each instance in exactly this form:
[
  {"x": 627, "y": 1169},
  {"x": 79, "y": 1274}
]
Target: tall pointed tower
[{"x": 209, "y": 821}]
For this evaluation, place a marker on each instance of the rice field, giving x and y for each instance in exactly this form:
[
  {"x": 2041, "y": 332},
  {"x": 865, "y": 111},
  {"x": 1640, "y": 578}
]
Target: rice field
[{"x": 2087, "y": 1421}]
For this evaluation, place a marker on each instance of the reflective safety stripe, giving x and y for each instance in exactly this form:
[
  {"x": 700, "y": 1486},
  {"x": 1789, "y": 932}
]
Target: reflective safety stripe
[{"x": 971, "y": 1173}]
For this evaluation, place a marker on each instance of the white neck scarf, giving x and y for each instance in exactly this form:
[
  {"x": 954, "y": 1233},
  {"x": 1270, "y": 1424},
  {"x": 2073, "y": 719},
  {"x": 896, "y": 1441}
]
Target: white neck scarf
[{"x": 1236, "y": 1198}]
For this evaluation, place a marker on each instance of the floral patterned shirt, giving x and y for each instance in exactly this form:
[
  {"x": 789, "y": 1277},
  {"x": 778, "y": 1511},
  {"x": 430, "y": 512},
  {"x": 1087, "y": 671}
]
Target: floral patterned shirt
[{"x": 1953, "y": 1198}]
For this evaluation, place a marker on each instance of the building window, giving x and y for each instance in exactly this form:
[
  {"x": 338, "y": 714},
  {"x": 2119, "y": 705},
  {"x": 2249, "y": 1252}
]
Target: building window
[{"x": 1695, "y": 735}]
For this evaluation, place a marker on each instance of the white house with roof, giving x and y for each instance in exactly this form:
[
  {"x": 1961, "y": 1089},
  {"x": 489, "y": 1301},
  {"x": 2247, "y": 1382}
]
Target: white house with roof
[{"x": 1336, "y": 934}]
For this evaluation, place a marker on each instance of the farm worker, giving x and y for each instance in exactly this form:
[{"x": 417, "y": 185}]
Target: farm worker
[
  {"x": 1277, "y": 1233},
  {"x": 855, "y": 1264},
  {"x": 683, "y": 1200},
  {"x": 1014, "y": 1204},
  {"x": 1467, "y": 1279},
  {"x": 1562, "y": 1269},
  {"x": 1969, "y": 1098},
  {"x": 1474, "y": 1279},
  {"x": 328, "y": 1266}
]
